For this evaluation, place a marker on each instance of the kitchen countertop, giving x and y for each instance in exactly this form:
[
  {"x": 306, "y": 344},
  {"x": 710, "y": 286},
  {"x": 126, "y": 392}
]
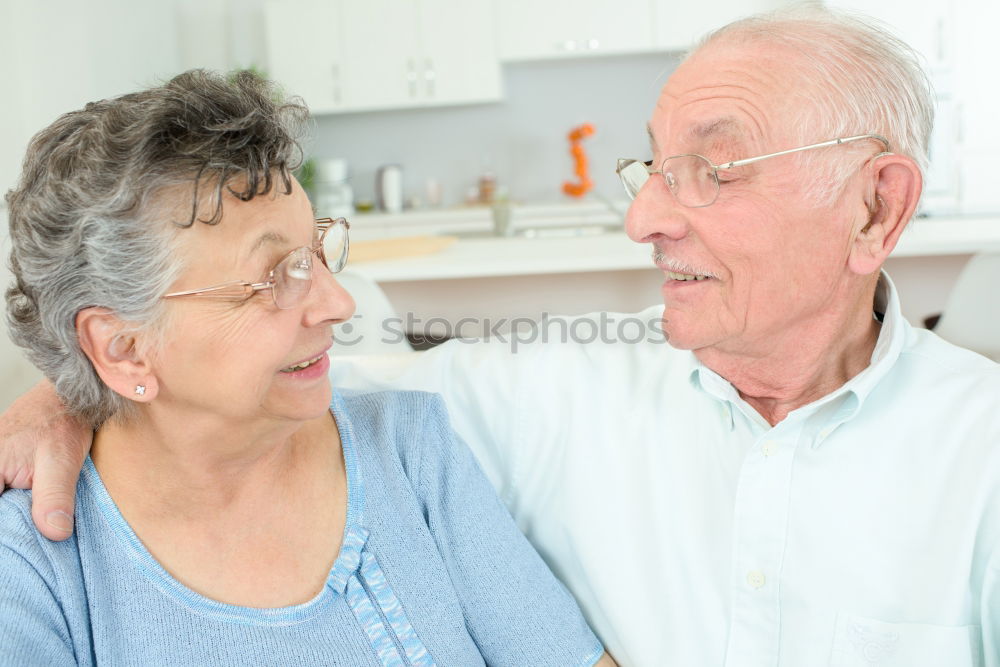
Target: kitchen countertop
[{"x": 493, "y": 256}]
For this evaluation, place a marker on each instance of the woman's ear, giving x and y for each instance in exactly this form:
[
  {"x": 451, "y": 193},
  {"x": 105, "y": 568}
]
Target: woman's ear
[
  {"x": 116, "y": 355},
  {"x": 898, "y": 183}
]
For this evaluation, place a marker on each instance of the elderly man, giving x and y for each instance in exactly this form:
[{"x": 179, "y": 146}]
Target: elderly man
[{"x": 800, "y": 477}]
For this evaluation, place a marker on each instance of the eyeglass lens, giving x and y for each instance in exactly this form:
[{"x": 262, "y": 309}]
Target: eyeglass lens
[
  {"x": 293, "y": 275},
  {"x": 335, "y": 247},
  {"x": 634, "y": 175},
  {"x": 293, "y": 278},
  {"x": 690, "y": 178}
]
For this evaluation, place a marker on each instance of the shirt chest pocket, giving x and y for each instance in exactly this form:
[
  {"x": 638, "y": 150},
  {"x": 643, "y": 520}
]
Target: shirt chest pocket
[{"x": 866, "y": 642}]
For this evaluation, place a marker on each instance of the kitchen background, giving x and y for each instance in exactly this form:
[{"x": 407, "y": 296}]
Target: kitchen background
[{"x": 476, "y": 97}]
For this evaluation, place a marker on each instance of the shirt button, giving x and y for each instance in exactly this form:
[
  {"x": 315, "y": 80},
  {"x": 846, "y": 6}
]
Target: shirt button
[
  {"x": 756, "y": 579},
  {"x": 769, "y": 447}
]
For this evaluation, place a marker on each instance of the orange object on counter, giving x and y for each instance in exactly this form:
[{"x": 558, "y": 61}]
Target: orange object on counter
[{"x": 576, "y": 137}]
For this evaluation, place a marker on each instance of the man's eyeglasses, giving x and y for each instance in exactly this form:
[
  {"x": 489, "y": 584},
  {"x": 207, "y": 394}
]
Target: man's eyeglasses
[
  {"x": 694, "y": 180},
  {"x": 291, "y": 278}
]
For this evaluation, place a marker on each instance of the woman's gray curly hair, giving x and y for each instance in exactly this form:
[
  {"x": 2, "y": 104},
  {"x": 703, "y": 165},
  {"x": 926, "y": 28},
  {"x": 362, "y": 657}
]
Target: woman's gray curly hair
[{"x": 94, "y": 213}]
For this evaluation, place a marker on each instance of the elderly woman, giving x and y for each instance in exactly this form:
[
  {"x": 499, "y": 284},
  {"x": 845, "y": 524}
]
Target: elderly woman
[{"x": 173, "y": 285}]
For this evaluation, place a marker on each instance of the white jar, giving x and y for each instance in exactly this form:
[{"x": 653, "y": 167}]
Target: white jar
[{"x": 334, "y": 195}]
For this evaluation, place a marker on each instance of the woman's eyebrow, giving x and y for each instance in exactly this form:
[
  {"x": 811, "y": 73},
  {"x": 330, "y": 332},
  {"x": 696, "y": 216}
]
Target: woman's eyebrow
[{"x": 268, "y": 238}]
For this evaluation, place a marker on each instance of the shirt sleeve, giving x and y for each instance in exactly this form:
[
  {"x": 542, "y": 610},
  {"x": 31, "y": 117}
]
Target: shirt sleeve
[
  {"x": 33, "y": 629},
  {"x": 990, "y": 613},
  {"x": 515, "y": 609},
  {"x": 480, "y": 383}
]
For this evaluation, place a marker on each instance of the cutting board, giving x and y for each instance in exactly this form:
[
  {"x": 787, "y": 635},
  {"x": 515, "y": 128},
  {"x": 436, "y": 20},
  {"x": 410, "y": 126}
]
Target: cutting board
[{"x": 407, "y": 246}]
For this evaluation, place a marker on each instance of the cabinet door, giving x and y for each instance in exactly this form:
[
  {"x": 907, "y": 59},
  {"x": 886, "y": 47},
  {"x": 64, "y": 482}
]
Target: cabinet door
[
  {"x": 381, "y": 53},
  {"x": 529, "y": 29},
  {"x": 458, "y": 59},
  {"x": 304, "y": 52},
  {"x": 678, "y": 26},
  {"x": 547, "y": 29},
  {"x": 625, "y": 26}
]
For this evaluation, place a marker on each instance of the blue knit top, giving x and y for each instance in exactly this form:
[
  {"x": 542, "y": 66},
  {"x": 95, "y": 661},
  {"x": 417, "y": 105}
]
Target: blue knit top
[{"x": 432, "y": 570}]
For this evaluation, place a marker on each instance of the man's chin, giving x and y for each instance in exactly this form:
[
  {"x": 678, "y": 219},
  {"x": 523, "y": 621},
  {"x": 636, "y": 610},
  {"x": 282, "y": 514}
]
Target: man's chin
[{"x": 681, "y": 337}]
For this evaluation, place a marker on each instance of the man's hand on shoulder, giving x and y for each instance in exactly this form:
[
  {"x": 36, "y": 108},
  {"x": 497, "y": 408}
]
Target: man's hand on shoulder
[{"x": 43, "y": 448}]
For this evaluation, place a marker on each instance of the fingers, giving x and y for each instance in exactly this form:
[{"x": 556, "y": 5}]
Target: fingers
[
  {"x": 42, "y": 447},
  {"x": 20, "y": 427},
  {"x": 57, "y": 468}
]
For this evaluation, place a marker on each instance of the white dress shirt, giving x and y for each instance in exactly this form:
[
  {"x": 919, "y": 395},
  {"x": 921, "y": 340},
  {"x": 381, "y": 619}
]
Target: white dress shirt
[{"x": 863, "y": 529}]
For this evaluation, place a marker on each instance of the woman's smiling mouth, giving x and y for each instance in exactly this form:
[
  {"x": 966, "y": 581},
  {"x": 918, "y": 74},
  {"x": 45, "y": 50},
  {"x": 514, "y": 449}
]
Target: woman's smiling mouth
[{"x": 302, "y": 365}]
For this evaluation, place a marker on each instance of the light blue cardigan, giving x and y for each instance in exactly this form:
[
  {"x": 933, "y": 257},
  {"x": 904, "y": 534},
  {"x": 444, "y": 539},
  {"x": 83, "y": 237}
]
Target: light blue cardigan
[{"x": 432, "y": 571}]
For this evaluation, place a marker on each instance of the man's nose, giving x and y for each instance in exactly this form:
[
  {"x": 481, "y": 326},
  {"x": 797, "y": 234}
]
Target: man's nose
[{"x": 655, "y": 212}]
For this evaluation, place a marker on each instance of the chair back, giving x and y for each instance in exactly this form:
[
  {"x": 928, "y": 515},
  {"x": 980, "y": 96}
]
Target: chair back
[
  {"x": 971, "y": 316},
  {"x": 373, "y": 329}
]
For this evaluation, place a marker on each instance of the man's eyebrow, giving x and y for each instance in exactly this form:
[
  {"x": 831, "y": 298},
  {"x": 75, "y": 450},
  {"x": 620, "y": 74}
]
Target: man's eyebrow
[
  {"x": 711, "y": 128},
  {"x": 706, "y": 130}
]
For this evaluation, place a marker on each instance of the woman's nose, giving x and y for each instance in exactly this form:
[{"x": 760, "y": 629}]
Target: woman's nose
[{"x": 327, "y": 301}]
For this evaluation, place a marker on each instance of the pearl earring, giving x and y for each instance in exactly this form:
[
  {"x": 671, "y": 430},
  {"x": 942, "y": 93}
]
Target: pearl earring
[{"x": 140, "y": 389}]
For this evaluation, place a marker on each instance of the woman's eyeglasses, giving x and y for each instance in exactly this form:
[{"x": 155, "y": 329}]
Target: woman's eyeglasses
[{"x": 291, "y": 278}]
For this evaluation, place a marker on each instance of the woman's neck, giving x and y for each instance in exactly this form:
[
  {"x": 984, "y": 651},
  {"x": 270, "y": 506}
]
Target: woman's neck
[
  {"x": 246, "y": 517},
  {"x": 199, "y": 461}
]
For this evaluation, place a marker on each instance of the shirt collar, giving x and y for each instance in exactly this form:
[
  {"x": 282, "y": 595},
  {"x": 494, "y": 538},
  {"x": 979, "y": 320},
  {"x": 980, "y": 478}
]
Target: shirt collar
[{"x": 839, "y": 406}]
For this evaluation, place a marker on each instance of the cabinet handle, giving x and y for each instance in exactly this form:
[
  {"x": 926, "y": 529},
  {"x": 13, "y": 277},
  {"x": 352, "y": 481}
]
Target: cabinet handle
[
  {"x": 411, "y": 77},
  {"x": 429, "y": 76},
  {"x": 593, "y": 43},
  {"x": 568, "y": 45}
]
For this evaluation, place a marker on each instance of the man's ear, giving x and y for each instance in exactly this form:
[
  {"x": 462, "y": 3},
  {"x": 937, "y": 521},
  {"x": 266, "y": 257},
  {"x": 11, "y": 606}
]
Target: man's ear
[
  {"x": 898, "y": 184},
  {"x": 115, "y": 352}
]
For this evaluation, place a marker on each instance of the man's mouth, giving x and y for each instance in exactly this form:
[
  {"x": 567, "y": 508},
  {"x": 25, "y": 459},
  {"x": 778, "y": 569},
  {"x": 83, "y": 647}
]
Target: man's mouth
[
  {"x": 304, "y": 364},
  {"x": 677, "y": 270},
  {"x": 685, "y": 276}
]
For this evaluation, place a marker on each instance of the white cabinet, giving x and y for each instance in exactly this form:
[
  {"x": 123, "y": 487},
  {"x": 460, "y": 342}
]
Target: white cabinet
[
  {"x": 545, "y": 29},
  {"x": 305, "y": 52},
  {"x": 549, "y": 29},
  {"x": 677, "y": 26},
  {"x": 381, "y": 53},
  {"x": 459, "y": 51},
  {"x": 352, "y": 55}
]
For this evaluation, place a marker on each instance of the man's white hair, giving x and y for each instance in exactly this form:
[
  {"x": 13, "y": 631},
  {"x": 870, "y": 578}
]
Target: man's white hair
[{"x": 854, "y": 77}]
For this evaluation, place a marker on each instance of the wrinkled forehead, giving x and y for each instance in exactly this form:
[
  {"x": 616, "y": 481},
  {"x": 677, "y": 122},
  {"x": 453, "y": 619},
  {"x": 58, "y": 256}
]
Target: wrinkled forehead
[
  {"x": 717, "y": 131},
  {"x": 733, "y": 97}
]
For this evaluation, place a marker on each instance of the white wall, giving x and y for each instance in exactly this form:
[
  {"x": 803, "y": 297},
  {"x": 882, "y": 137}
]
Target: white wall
[{"x": 58, "y": 55}]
